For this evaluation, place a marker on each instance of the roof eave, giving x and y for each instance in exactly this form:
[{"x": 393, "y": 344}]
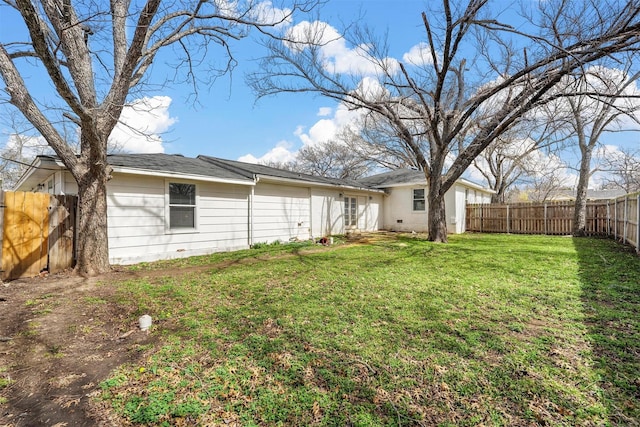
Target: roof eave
[
  {"x": 475, "y": 186},
  {"x": 184, "y": 176},
  {"x": 39, "y": 163},
  {"x": 300, "y": 182}
]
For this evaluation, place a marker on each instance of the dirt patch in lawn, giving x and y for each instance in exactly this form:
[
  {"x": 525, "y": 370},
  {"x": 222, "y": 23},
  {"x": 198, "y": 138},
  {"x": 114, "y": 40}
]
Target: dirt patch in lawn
[{"x": 59, "y": 337}]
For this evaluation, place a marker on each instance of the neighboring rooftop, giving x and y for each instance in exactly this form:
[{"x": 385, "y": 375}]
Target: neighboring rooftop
[{"x": 570, "y": 194}]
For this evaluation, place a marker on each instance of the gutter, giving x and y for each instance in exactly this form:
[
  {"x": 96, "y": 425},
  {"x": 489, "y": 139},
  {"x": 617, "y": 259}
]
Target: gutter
[
  {"x": 148, "y": 172},
  {"x": 251, "y": 198},
  {"x": 473, "y": 185},
  {"x": 299, "y": 183}
]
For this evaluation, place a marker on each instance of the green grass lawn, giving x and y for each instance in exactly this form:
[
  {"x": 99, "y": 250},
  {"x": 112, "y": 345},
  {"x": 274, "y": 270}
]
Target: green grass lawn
[{"x": 486, "y": 330}]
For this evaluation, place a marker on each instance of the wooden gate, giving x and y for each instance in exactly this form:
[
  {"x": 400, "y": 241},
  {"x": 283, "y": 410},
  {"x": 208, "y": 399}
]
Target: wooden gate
[{"x": 38, "y": 233}]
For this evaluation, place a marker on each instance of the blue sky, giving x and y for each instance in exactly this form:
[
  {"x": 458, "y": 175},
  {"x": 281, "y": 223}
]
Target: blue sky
[
  {"x": 226, "y": 121},
  {"x": 230, "y": 123}
]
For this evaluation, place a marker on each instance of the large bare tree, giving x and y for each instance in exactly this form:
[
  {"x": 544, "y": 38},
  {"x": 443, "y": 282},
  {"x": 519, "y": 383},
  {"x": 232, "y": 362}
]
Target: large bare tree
[
  {"x": 331, "y": 159},
  {"x": 353, "y": 152},
  {"x": 438, "y": 105},
  {"x": 622, "y": 169},
  {"x": 96, "y": 55},
  {"x": 502, "y": 164},
  {"x": 596, "y": 101}
]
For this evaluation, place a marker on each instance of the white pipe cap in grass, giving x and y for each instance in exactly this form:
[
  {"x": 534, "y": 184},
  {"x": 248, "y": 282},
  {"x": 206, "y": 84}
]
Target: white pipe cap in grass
[{"x": 145, "y": 322}]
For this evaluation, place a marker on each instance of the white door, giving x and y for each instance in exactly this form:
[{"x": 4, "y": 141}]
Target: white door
[{"x": 350, "y": 213}]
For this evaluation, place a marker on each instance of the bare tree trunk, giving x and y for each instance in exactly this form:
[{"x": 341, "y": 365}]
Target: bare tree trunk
[
  {"x": 436, "y": 211},
  {"x": 93, "y": 242},
  {"x": 498, "y": 196},
  {"x": 580, "y": 212}
]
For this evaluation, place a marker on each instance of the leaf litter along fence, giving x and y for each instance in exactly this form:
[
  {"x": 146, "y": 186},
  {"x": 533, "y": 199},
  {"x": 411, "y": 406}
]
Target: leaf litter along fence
[{"x": 618, "y": 218}]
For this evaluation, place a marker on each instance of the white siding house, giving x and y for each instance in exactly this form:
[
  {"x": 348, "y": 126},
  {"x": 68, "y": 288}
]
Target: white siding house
[
  {"x": 405, "y": 207},
  {"x": 169, "y": 206},
  {"x": 289, "y": 205},
  {"x": 139, "y": 207},
  {"x": 163, "y": 206}
]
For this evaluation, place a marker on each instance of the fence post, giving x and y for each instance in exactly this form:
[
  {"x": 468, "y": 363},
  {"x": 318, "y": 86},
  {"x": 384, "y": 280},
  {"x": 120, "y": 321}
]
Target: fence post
[
  {"x": 625, "y": 220},
  {"x": 546, "y": 227},
  {"x": 507, "y": 219},
  {"x": 638, "y": 223},
  {"x": 608, "y": 219},
  {"x": 615, "y": 219}
]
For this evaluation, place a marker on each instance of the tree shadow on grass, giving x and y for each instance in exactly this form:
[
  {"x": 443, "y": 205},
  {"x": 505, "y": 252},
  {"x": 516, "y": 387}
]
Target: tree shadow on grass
[{"x": 610, "y": 276}]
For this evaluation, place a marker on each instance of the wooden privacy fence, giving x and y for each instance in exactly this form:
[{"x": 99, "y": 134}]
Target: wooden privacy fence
[
  {"x": 38, "y": 233},
  {"x": 618, "y": 218}
]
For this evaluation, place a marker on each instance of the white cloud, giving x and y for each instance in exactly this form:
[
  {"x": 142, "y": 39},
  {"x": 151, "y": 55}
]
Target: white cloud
[
  {"x": 608, "y": 81},
  {"x": 227, "y": 8},
  {"x": 281, "y": 153},
  {"x": 370, "y": 89},
  {"x": 600, "y": 156},
  {"x": 141, "y": 124},
  {"x": 473, "y": 172},
  {"x": 326, "y": 129},
  {"x": 325, "y": 111},
  {"x": 265, "y": 13},
  {"x": 321, "y": 132},
  {"x": 418, "y": 55},
  {"x": 26, "y": 147},
  {"x": 337, "y": 57}
]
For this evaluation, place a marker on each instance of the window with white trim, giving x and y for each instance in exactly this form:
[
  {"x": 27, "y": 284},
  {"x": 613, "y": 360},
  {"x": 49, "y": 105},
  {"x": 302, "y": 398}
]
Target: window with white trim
[
  {"x": 182, "y": 206},
  {"x": 419, "y": 202}
]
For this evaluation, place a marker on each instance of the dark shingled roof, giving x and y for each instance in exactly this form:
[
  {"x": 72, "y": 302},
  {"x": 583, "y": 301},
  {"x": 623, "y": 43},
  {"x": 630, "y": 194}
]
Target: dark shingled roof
[
  {"x": 214, "y": 167},
  {"x": 398, "y": 176},
  {"x": 174, "y": 163},
  {"x": 251, "y": 169}
]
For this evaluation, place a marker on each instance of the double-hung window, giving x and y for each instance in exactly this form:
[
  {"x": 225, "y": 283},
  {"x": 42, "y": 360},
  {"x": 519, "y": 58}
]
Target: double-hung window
[
  {"x": 182, "y": 206},
  {"x": 419, "y": 202}
]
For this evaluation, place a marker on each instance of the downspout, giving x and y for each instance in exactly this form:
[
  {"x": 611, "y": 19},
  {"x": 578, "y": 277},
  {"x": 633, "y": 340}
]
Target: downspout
[
  {"x": 311, "y": 214},
  {"x": 256, "y": 178}
]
